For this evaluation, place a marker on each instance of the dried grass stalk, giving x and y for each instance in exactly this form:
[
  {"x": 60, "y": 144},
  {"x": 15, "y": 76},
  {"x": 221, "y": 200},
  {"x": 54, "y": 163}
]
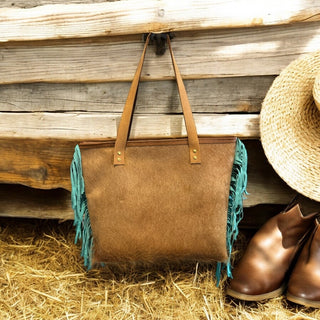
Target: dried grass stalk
[{"x": 42, "y": 277}]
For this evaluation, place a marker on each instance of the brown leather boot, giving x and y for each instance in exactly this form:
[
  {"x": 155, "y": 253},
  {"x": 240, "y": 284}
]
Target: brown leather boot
[
  {"x": 262, "y": 270},
  {"x": 304, "y": 282}
]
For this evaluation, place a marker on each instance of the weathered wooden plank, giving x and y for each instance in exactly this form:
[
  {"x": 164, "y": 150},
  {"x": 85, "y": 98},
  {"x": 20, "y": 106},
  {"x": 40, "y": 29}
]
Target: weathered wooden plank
[
  {"x": 44, "y": 164},
  {"x": 24, "y": 202},
  {"x": 36, "y": 148},
  {"x": 240, "y": 94},
  {"x": 38, "y": 163},
  {"x": 20, "y": 201},
  {"x": 89, "y": 125},
  {"x": 264, "y": 185},
  {"x": 220, "y": 53},
  {"x": 35, "y": 3},
  {"x": 136, "y": 16}
]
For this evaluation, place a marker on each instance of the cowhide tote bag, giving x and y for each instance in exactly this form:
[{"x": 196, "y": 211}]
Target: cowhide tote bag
[{"x": 154, "y": 200}]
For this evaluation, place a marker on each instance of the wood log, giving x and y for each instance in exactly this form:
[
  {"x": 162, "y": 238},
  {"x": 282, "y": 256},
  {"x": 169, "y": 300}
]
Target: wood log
[
  {"x": 44, "y": 164},
  {"x": 37, "y": 148},
  {"x": 264, "y": 185},
  {"x": 223, "y": 95},
  {"x": 220, "y": 53},
  {"x": 136, "y": 17},
  {"x": 24, "y": 202},
  {"x": 20, "y": 201},
  {"x": 38, "y": 163}
]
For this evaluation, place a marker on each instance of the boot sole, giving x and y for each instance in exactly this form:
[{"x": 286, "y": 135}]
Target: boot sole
[
  {"x": 256, "y": 297},
  {"x": 302, "y": 301}
]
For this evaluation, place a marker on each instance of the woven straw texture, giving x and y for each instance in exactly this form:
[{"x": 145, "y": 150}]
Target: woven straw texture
[
  {"x": 290, "y": 126},
  {"x": 316, "y": 91}
]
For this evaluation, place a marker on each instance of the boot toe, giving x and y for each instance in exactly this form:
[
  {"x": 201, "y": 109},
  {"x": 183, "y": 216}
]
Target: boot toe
[
  {"x": 304, "y": 293},
  {"x": 251, "y": 290},
  {"x": 304, "y": 299}
]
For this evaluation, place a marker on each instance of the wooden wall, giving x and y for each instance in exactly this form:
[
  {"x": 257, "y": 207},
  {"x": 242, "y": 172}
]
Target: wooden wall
[{"x": 65, "y": 70}]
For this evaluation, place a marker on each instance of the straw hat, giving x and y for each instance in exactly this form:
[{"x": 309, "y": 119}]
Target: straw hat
[{"x": 290, "y": 125}]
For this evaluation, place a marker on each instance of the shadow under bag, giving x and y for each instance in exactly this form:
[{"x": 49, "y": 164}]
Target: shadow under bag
[{"x": 154, "y": 200}]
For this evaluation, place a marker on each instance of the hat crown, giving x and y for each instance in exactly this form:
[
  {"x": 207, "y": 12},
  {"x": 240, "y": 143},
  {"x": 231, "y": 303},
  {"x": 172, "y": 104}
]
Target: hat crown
[{"x": 290, "y": 125}]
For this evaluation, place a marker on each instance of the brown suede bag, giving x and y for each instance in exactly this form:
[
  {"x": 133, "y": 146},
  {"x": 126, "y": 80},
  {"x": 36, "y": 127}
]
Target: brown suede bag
[{"x": 154, "y": 200}]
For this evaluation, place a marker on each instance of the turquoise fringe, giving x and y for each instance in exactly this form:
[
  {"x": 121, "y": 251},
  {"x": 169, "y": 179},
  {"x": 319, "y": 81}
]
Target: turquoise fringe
[
  {"x": 80, "y": 208},
  {"x": 237, "y": 192},
  {"x": 235, "y": 209}
]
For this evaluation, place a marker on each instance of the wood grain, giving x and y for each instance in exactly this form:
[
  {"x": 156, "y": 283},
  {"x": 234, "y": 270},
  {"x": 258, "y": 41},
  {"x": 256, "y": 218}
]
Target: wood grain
[
  {"x": 23, "y": 4},
  {"x": 240, "y": 94},
  {"x": 30, "y": 159},
  {"x": 20, "y": 201},
  {"x": 135, "y": 17},
  {"x": 38, "y": 163},
  {"x": 24, "y": 202},
  {"x": 219, "y": 53},
  {"x": 65, "y": 70},
  {"x": 36, "y": 148},
  {"x": 90, "y": 125},
  {"x": 44, "y": 164}
]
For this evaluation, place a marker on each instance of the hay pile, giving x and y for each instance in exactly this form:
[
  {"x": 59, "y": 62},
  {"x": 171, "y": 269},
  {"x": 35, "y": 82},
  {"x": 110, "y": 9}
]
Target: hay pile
[{"x": 41, "y": 277}]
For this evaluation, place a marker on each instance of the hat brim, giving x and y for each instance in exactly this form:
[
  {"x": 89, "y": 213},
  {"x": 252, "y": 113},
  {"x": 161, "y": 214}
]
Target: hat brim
[{"x": 290, "y": 126}]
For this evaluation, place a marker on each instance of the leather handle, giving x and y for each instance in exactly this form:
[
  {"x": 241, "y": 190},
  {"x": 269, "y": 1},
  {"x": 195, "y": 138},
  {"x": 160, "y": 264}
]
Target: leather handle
[
  {"x": 193, "y": 140},
  {"x": 126, "y": 118},
  {"x": 125, "y": 122}
]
